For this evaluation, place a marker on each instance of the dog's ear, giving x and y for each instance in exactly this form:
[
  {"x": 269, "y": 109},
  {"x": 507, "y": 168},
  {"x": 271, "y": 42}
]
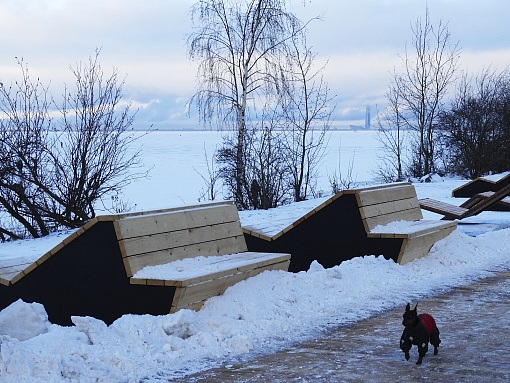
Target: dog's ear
[
  {"x": 408, "y": 307},
  {"x": 415, "y": 307}
]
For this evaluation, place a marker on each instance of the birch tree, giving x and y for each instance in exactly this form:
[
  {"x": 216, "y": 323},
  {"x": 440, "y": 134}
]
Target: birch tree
[
  {"x": 430, "y": 68},
  {"x": 238, "y": 45}
]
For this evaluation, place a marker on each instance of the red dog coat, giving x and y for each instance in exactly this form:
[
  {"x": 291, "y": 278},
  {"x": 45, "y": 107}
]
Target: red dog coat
[{"x": 428, "y": 322}]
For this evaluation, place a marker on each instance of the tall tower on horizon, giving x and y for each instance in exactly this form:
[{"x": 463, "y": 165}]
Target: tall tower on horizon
[{"x": 367, "y": 117}]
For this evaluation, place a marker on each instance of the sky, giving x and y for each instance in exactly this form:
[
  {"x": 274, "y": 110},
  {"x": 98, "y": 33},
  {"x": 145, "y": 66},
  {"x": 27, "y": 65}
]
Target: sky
[{"x": 362, "y": 41}]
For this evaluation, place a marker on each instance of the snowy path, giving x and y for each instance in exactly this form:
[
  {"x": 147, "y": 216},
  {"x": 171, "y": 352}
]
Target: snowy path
[{"x": 473, "y": 321}]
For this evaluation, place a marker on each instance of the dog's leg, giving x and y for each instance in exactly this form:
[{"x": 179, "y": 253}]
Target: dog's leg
[
  {"x": 407, "y": 355},
  {"x": 422, "y": 350},
  {"x": 435, "y": 350}
]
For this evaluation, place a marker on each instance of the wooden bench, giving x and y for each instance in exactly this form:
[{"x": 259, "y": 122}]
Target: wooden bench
[
  {"x": 473, "y": 206},
  {"x": 393, "y": 211},
  {"x": 380, "y": 220},
  {"x": 211, "y": 231},
  {"x": 92, "y": 271},
  {"x": 482, "y": 184}
]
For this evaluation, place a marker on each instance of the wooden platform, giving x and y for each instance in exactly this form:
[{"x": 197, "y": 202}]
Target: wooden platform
[
  {"x": 93, "y": 272},
  {"x": 381, "y": 220}
]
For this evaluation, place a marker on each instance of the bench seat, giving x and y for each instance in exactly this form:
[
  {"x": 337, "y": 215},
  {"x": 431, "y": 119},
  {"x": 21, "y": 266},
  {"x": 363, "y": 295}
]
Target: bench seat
[{"x": 203, "y": 277}]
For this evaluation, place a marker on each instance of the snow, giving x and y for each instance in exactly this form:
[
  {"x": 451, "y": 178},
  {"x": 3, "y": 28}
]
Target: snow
[
  {"x": 31, "y": 249},
  {"x": 404, "y": 227},
  {"x": 496, "y": 177},
  {"x": 287, "y": 308},
  {"x": 195, "y": 267},
  {"x": 273, "y": 221}
]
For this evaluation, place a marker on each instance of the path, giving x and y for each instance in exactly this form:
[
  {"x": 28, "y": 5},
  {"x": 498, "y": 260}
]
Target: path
[{"x": 474, "y": 322}]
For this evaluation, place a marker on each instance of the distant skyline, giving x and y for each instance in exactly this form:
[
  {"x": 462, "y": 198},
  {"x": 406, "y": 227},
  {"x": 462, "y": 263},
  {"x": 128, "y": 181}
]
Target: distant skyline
[{"x": 146, "y": 42}]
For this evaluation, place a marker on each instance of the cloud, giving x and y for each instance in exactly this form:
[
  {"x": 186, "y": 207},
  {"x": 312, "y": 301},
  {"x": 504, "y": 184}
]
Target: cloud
[{"x": 146, "y": 41}]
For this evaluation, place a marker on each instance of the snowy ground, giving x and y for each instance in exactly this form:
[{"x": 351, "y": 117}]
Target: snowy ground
[{"x": 240, "y": 325}]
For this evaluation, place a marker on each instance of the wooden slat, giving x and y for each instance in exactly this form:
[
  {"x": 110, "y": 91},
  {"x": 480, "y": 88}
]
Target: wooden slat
[
  {"x": 403, "y": 205},
  {"x": 415, "y": 228},
  {"x": 441, "y": 207},
  {"x": 180, "y": 238},
  {"x": 371, "y": 223},
  {"x": 419, "y": 246},
  {"x": 412, "y": 253},
  {"x": 199, "y": 292},
  {"x": 385, "y": 194},
  {"x": 7, "y": 277},
  {"x": 216, "y": 247},
  {"x": 177, "y": 220}
]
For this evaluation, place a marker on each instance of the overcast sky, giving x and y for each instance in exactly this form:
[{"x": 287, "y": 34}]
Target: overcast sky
[{"x": 146, "y": 41}]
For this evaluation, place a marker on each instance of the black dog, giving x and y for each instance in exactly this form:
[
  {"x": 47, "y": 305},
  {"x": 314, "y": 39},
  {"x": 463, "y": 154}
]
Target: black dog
[{"x": 419, "y": 330}]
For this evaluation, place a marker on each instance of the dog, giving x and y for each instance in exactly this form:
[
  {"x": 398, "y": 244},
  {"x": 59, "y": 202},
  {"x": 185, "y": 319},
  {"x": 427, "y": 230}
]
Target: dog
[{"x": 419, "y": 330}]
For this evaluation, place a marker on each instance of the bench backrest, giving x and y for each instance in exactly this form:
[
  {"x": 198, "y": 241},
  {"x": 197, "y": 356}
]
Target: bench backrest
[
  {"x": 383, "y": 204},
  {"x": 202, "y": 230}
]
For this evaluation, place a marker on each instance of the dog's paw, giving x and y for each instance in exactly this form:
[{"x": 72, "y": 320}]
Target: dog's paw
[
  {"x": 407, "y": 356},
  {"x": 420, "y": 359},
  {"x": 436, "y": 350}
]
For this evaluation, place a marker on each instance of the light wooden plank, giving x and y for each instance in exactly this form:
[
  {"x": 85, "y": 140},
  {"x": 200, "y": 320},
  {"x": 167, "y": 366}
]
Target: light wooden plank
[
  {"x": 199, "y": 292},
  {"x": 192, "y": 306},
  {"x": 403, "y": 205},
  {"x": 416, "y": 228},
  {"x": 384, "y": 194},
  {"x": 440, "y": 231},
  {"x": 178, "y": 220},
  {"x": 250, "y": 260},
  {"x": 250, "y": 231},
  {"x": 180, "y": 238},
  {"x": 274, "y": 258},
  {"x": 8, "y": 276},
  {"x": 419, "y": 246},
  {"x": 217, "y": 247},
  {"x": 412, "y": 253},
  {"x": 442, "y": 207}
]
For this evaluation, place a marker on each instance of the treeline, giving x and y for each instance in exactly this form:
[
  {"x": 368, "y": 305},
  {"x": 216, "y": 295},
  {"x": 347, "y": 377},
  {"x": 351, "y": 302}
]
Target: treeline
[
  {"x": 476, "y": 126},
  {"x": 439, "y": 120}
]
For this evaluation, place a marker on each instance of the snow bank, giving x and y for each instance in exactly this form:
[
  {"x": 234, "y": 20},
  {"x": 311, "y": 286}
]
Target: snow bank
[{"x": 286, "y": 308}]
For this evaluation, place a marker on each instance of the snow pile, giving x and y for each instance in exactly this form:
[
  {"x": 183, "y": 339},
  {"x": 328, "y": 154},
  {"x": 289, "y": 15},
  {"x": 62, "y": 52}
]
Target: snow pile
[
  {"x": 258, "y": 315},
  {"x": 23, "y": 321}
]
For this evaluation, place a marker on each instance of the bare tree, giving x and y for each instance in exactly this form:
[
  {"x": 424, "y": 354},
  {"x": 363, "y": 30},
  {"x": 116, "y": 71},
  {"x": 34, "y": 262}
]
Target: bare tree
[
  {"x": 429, "y": 70},
  {"x": 306, "y": 111},
  {"x": 238, "y": 45},
  {"x": 391, "y": 135},
  {"x": 92, "y": 157},
  {"x": 24, "y": 129},
  {"x": 54, "y": 173}
]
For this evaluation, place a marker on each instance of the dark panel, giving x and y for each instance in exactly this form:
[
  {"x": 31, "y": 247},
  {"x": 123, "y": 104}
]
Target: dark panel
[
  {"x": 87, "y": 278},
  {"x": 332, "y": 235},
  {"x": 473, "y": 188}
]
